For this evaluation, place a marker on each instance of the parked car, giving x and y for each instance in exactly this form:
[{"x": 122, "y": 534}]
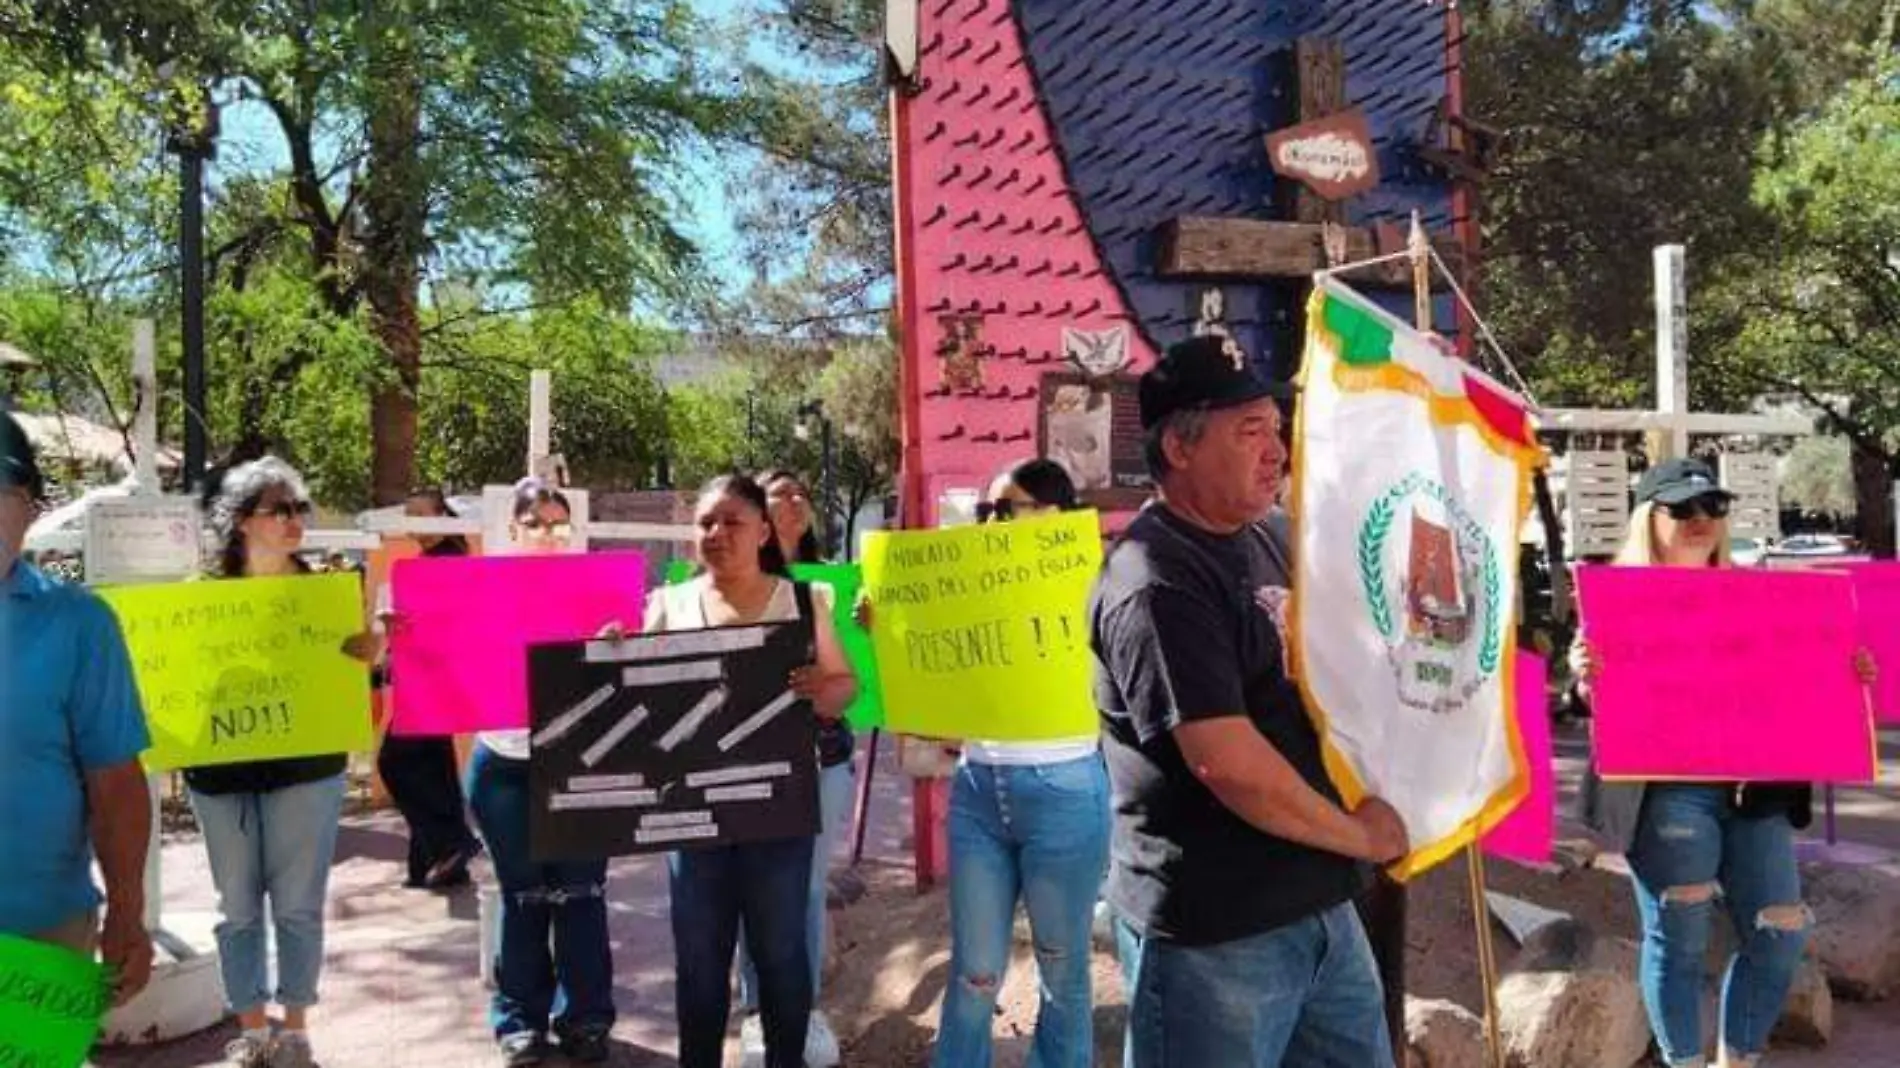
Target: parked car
[
  {"x": 1747, "y": 552},
  {"x": 1806, "y": 545}
]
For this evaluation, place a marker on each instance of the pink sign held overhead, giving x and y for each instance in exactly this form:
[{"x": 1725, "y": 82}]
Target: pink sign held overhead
[
  {"x": 1528, "y": 834},
  {"x": 1877, "y": 608},
  {"x": 459, "y": 646},
  {"x": 1726, "y": 674}
]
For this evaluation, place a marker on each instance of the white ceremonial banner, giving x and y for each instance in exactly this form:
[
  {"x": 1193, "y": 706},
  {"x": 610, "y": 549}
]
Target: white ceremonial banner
[{"x": 1412, "y": 473}]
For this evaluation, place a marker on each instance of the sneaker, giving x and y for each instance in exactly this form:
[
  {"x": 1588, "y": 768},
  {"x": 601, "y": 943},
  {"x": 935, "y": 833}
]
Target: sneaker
[
  {"x": 585, "y": 1047},
  {"x": 523, "y": 1049},
  {"x": 752, "y": 1042},
  {"x": 292, "y": 1050},
  {"x": 821, "y": 1046},
  {"x": 248, "y": 1050}
]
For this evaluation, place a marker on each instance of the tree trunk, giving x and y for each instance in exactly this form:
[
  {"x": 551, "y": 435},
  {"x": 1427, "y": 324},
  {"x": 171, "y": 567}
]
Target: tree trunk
[
  {"x": 393, "y": 202},
  {"x": 1873, "y": 498}
]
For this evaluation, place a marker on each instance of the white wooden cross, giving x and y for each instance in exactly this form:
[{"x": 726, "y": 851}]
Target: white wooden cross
[{"x": 1599, "y": 510}]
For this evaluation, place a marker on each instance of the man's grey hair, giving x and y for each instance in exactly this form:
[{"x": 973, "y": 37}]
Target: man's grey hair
[{"x": 1188, "y": 424}]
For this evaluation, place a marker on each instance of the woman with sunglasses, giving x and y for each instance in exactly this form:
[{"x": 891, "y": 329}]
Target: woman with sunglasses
[
  {"x": 1028, "y": 822},
  {"x": 567, "y": 991},
  {"x": 1690, "y": 844},
  {"x": 766, "y": 886},
  {"x": 269, "y": 826},
  {"x": 788, "y": 505}
]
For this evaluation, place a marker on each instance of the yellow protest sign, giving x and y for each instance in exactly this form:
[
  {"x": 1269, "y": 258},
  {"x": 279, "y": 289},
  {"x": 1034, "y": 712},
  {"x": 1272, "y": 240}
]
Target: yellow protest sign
[
  {"x": 982, "y": 632},
  {"x": 247, "y": 669}
]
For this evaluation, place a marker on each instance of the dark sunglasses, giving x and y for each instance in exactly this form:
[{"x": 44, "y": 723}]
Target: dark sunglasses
[
  {"x": 288, "y": 510},
  {"x": 1712, "y": 506},
  {"x": 1002, "y": 510}
]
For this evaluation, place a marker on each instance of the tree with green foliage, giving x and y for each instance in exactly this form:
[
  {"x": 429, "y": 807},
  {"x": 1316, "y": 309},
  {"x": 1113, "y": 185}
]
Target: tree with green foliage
[
  {"x": 524, "y": 146},
  {"x": 1817, "y": 302},
  {"x": 1628, "y": 125}
]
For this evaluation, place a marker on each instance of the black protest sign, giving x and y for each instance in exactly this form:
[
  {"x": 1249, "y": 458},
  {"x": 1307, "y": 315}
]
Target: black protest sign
[{"x": 670, "y": 741}]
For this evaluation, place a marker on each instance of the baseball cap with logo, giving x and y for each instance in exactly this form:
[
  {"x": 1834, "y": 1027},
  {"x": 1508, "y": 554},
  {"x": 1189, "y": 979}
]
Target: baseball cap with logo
[
  {"x": 18, "y": 467},
  {"x": 1204, "y": 373},
  {"x": 1677, "y": 481}
]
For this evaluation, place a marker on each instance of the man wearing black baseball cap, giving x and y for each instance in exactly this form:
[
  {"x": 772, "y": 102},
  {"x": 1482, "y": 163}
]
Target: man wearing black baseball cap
[
  {"x": 71, "y": 731},
  {"x": 1234, "y": 866}
]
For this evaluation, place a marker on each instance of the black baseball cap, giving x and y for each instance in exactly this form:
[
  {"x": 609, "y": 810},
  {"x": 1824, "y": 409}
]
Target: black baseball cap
[
  {"x": 1204, "y": 373},
  {"x": 1676, "y": 481},
  {"x": 18, "y": 467}
]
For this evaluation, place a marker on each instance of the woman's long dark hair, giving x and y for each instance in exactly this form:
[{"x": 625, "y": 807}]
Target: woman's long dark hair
[
  {"x": 771, "y": 557},
  {"x": 232, "y": 495},
  {"x": 808, "y": 550},
  {"x": 1047, "y": 482},
  {"x": 451, "y": 544}
]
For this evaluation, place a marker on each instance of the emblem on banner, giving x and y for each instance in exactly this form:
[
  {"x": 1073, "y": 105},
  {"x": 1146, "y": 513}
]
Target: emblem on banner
[{"x": 1437, "y": 600}]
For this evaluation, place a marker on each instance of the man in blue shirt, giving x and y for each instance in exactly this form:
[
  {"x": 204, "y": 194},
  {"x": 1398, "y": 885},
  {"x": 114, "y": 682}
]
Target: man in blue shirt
[{"x": 71, "y": 731}]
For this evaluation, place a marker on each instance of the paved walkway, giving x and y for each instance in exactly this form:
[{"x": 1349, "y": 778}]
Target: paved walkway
[
  {"x": 402, "y": 989},
  {"x": 401, "y": 983}
]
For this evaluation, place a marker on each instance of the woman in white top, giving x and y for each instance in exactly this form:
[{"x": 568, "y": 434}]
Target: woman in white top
[
  {"x": 564, "y": 902},
  {"x": 767, "y": 884},
  {"x": 1028, "y": 822}
]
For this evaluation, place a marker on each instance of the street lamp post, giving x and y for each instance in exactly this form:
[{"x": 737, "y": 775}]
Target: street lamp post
[
  {"x": 193, "y": 147},
  {"x": 828, "y": 469}
]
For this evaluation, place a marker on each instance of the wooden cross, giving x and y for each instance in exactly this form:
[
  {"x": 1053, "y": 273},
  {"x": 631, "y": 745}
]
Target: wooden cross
[
  {"x": 1202, "y": 247},
  {"x": 1668, "y": 428}
]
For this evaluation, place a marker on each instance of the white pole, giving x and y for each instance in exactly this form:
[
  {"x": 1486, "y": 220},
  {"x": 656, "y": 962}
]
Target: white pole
[
  {"x": 145, "y": 415},
  {"x": 1672, "y": 347},
  {"x": 540, "y": 421}
]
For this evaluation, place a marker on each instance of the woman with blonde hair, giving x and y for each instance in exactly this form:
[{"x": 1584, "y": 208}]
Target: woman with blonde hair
[{"x": 1691, "y": 844}]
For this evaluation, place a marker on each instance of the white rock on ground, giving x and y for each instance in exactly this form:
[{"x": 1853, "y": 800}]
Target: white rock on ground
[
  {"x": 1570, "y": 1000},
  {"x": 1442, "y": 1034},
  {"x": 1857, "y": 927}
]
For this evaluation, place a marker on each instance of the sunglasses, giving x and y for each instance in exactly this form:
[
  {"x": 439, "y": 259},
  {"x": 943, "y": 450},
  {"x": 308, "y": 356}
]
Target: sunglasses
[
  {"x": 1002, "y": 510},
  {"x": 288, "y": 510},
  {"x": 1712, "y": 506}
]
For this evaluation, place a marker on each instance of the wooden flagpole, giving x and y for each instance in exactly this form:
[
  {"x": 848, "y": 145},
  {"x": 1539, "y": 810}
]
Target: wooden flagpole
[{"x": 1421, "y": 249}]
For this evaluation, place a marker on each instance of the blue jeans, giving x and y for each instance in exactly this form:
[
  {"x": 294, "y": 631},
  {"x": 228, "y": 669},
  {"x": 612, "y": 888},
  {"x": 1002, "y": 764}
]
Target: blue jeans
[
  {"x": 274, "y": 847},
  {"x": 768, "y": 885},
  {"x": 1038, "y": 834},
  {"x": 834, "y": 812},
  {"x": 1306, "y": 995},
  {"x": 555, "y": 966},
  {"x": 1691, "y": 848}
]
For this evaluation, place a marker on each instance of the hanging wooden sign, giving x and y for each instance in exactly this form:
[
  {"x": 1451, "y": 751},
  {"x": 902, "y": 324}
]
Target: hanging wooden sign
[{"x": 1333, "y": 156}]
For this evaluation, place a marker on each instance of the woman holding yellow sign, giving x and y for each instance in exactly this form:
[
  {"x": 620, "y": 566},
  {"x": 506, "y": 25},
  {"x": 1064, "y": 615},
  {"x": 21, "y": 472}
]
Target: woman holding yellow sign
[
  {"x": 270, "y": 826},
  {"x": 1028, "y": 821}
]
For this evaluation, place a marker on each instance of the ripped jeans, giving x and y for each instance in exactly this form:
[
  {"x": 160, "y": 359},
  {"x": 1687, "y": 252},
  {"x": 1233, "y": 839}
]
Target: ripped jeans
[
  {"x": 1037, "y": 834},
  {"x": 554, "y": 958},
  {"x": 1691, "y": 852}
]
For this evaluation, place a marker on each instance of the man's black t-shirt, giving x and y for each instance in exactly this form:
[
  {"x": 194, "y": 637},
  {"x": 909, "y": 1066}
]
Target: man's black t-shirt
[{"x": 1187, "y": 625}]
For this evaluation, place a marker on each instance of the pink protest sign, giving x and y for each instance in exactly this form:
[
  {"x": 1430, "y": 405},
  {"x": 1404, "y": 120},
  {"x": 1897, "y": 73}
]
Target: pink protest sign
[
  {"x": 459, "y": 645},
  {"x": 1726, "y": 674},
  {"x": 1877, "y": 608},
  {"x": 1529, "y": 831}
]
